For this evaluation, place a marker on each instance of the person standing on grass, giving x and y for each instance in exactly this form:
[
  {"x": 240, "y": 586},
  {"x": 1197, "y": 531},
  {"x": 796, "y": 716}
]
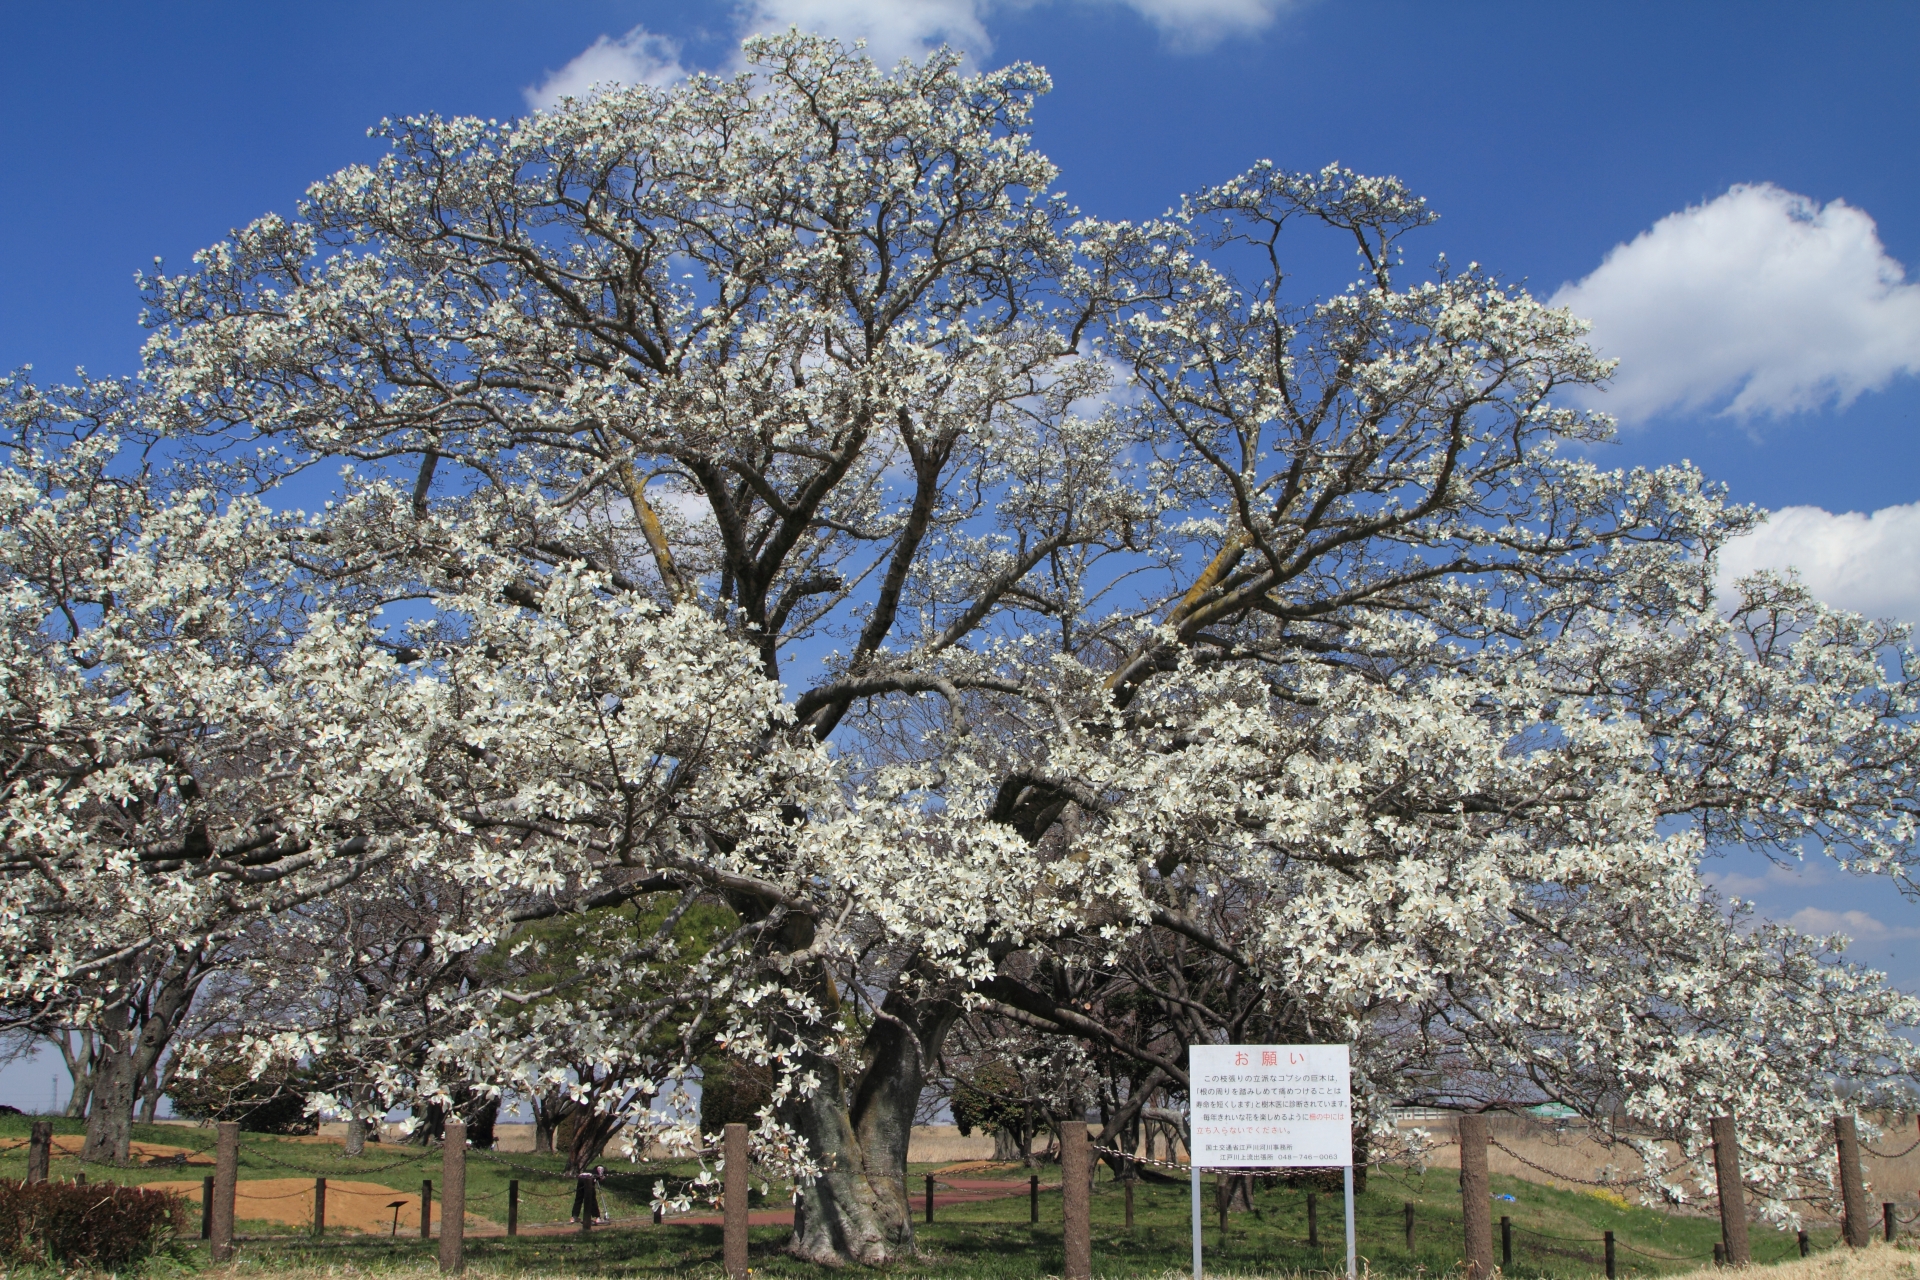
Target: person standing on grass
[{"x": 586, "y": 1194}]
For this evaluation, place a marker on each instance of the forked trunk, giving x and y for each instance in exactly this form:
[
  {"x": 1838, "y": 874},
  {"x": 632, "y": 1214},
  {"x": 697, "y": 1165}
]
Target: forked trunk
[
  {"x": 857, "y": 1209},
  {"x": 133, "y": 1034},
  {"x": 592, "y": 1132},
  {"x": 80, "y": 1063},
  {"x": 548, "y": 1115}
]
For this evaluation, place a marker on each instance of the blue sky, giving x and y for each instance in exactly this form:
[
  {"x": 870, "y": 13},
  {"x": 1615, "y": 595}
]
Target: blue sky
[{"x": 1731, "y": 191}]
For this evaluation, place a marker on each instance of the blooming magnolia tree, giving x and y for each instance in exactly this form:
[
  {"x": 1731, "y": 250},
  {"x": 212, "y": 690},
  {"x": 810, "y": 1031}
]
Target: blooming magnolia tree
[
  {"x": 1197, "y": 661},
  {"x": 155, "y": 796},
  {"x": 215, "y": 762}
]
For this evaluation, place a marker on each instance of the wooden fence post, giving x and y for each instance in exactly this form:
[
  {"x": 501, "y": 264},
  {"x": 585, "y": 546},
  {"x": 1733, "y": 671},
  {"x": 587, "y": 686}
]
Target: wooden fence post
[
  {"x": 1407, "y": 1208},
  {"x": 1853, "y": 1191},
  {"x": 1131, "y": 1179},
  {"x": 1733, "y": 1199},
  {"x": 734, "y": 1200},
  {"x": 1609, "y": 1249},
  {"x": 40, "y": 1151},
  {"x": 1033, "y": 1197},
  {"x": 1313, "y": 1220},
  {"x": 1506, "y": 1243},
  {"x": 426, "y": 1208},
  {"x": 1075, "y": 1175},
  {"x": 929, "y": 1198},
  {"x": 206, "y": 1208},
  {"x": 226, "y": 1172},
  {"x": 1806, "y": 1243},
  {"x": 1886, "y": 1216},
  {"x": 319, "y": 1207},
  {"x": 453, "y": 1199},
  {"x": 1476, "y": 1197},
  {"x": 513, "y": 1206}
]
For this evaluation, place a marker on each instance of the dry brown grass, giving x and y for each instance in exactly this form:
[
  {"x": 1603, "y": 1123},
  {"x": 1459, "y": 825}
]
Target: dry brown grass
[{"x": 1879, "y": 1262}]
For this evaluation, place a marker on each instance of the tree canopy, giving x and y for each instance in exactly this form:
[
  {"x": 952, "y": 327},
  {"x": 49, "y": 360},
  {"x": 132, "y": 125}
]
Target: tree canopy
[{"x": 768, "y": 496}]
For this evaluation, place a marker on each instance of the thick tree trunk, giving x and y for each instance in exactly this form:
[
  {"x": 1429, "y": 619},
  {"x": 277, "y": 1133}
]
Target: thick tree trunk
[
  {"x": 133, "y": 1036},
  {"x": 548, "y": 1114},
  {"x": 858, "y": 1210},
  {"x": 358, "y": 1099},
  {"x": 110, "y": 1118}
]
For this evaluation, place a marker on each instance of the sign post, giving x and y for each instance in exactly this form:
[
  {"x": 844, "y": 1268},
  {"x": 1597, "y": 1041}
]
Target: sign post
[{"x": 1265, "y": 1106}]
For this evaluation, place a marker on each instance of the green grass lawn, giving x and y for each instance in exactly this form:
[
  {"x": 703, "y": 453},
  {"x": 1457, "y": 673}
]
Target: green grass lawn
[{"x": 1557, "y": 1233}]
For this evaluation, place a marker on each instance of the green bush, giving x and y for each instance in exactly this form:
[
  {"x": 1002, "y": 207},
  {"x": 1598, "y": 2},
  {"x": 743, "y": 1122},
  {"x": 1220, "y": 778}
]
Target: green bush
[
  {"x": 99, "y": 1225},
  {"x": 225, "y": 1089},
  {"x": 733, "y": 1092}
]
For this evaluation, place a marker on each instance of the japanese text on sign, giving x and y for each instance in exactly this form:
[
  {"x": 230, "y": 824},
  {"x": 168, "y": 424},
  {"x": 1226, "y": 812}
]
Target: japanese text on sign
[{"x": 1263, "y": 1105}]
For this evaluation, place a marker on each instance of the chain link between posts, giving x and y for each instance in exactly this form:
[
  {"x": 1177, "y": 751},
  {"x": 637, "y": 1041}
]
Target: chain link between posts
[
  {"x": 1538, "y": 1235},
  {"x": 1188, "y": 1168}
]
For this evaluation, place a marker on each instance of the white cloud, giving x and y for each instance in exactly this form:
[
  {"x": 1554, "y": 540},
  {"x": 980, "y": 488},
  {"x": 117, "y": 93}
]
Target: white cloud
[
  {"x": 1201, "y": 24},
  {"x": 638, "y": 57},
  {"x": 1857, "y": 925},
  {"x": 1760, "y": 302},
  {"x": 1866, "y": 563},
  {"x": 1796, "y": 875},
  {"x": 893, "y": 29}
]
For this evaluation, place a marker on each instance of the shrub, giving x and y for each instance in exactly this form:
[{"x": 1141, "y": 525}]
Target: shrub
[
  {"x": 226, "y": 1089},
  {"x": 733, "y": 1092},
  {"x": 99, "y": 1224}
]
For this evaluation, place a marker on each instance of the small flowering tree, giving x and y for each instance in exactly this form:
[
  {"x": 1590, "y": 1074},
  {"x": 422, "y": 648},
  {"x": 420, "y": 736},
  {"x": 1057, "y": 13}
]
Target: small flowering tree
[{"x": 1198, "y": 660}]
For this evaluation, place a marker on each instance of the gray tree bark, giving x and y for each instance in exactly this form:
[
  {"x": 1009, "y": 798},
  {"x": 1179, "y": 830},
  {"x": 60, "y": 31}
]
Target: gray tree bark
[
  {"x": 358, "y": 1098},
  {"x": 858, "y": 1209},
  {"x": 132, "y": 1036},
  {"x": 80, "y": 1063}
]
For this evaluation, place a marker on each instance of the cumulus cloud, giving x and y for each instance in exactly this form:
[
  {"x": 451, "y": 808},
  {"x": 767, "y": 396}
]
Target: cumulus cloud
[
  {"x": 893, "y": 29},
  {"x": 1857, "y": 925},
  {"x": 638, "y": 57},
  {"x": 1867, "y": 563},
  {"x": 1201, "y": 24},
  {"x": 1758, "y": 303},
  {"x": 1776, "y": 876}
]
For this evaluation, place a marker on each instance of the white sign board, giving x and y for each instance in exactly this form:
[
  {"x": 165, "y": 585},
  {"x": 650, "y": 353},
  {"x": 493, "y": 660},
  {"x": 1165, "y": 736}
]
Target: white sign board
[{"x": 1257, "y": 1106}]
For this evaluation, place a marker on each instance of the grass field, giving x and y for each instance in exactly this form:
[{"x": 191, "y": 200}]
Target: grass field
[
  {"x": 1877, "y": 1263},
  {"x": 1557, "y": 1232}
]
